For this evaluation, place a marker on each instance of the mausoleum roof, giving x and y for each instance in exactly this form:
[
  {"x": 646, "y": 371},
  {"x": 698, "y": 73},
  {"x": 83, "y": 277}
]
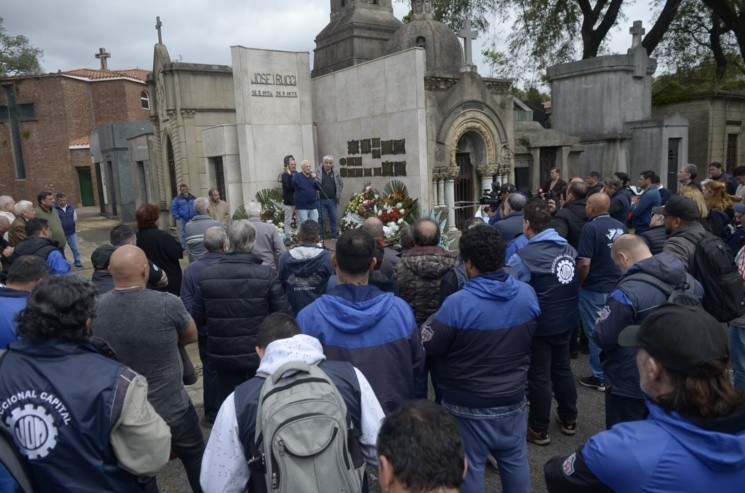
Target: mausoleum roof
[
  {"x": 444, "y": 52},
  {"x": 136, "y": 74}
]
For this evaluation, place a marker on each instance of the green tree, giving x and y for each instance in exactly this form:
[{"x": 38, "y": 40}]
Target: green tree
[{"x": 17, "y": 56}]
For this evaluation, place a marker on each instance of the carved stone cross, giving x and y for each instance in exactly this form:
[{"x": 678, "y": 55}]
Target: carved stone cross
[
  {"x": 468, "y": 35},
  {"x": 637, "y": 31},
  {"x": 103, "y": 55},
  {"x": 158, "y": 25}
]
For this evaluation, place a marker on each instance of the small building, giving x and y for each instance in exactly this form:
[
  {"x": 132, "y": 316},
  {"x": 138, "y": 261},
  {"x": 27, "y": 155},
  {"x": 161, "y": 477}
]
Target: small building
[
  {"x": 715, "y": 122},
  {"x": 45, "y": 122}
]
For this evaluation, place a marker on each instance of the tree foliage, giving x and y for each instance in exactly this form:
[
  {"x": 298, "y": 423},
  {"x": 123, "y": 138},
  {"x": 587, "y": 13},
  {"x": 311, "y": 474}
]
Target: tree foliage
[
  {"x": 697, "y": 80},
  {"x": 17, "y": 56}
]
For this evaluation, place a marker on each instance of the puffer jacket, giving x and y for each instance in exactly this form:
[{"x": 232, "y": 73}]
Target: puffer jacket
[
  {"x": 419, "y": 274},
  {"x": 569, "y": 220},
  {"x": 232, "y": 299}
]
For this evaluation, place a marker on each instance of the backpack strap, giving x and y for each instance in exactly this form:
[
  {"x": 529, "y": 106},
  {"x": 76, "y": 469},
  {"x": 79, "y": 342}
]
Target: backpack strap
[{"x": 652, "y": 281}]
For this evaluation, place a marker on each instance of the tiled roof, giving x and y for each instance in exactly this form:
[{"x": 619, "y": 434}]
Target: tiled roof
[
  {"x": 79, "y": 143},
  {"x": 90, "y": 74}
]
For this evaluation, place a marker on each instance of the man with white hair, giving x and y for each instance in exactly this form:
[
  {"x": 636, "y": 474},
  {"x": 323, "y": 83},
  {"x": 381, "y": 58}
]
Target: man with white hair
[
  {"x": 7, "y": 204},
  {"x": 330, "y": 185},
  {"x": 5, "y": 249},
  {"x": 197, "y": 226},
  {"x": 269, "y": 245},
  {"x": 24, "y": 210},
  {"x": 231, "y": 300}
]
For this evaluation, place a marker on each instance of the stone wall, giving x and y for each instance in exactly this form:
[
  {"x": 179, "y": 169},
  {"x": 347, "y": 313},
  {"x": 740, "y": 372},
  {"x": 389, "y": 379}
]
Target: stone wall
[{"x": 372, "y": 119}]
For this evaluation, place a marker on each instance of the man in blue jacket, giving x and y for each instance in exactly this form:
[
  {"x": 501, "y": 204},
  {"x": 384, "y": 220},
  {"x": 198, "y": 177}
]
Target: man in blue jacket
[
  {"x": 373, "y": 330},
  {"x": 694, "y": 438},
  {"x": 481, "y": 338},
  {"x": 549, "y": 264},
  {"x": 646, "y": 283},
  {"x": 305, "y": 193},
  {"x": 641, "y": 214},
  {"x": 182, "y": 210}
]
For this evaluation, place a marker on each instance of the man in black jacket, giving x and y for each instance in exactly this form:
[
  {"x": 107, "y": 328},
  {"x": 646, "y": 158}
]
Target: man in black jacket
[
  {"x": 288, "y": 193},
  {"x": 231, "y": 300},
  {"x": 569, "y": 220}
]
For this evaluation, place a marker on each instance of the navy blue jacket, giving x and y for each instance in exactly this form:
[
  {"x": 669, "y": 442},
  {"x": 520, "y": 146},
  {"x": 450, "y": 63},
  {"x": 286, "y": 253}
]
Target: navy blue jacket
[
  {"x": 629, "y": 304},
  {"x": 67, "y": 218},
  {"x": 373, "y": 330},
  {"x": 510, "y": 226},
  {"x": 76, "y": 394},
  {"x": 551, "y": 266},
  {"x": 304, "y": 191},
  {"x": 619, "y": 206},
  {"x": 481, "y": 337},
  {"x": 305, "y": 279},
  {"x": 641, "y": 215}
]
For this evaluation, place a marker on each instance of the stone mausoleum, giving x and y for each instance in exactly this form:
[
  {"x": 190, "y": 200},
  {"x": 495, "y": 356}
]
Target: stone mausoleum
[{"x": 388, "y": 100}]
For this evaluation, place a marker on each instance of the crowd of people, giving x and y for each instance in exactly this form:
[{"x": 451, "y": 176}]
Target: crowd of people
[{"x": 303, "y": 347}]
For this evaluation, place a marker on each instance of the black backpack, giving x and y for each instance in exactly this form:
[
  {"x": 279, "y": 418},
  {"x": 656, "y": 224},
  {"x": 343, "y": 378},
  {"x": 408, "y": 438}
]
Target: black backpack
[{"x": 713, "y": 265}]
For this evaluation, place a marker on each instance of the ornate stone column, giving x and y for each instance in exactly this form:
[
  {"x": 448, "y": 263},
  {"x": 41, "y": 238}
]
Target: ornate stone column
[
  {"x": 438, "y": 179},
  {"x": 450, "y": 174},
  {"x": 487, "y": 172}
]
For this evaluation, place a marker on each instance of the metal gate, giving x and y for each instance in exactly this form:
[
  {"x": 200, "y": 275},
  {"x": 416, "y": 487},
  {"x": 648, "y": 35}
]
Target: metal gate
[{"x": 463, "y": 188}]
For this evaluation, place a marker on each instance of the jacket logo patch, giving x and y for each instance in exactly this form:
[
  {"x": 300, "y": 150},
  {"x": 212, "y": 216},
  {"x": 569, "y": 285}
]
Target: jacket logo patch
[
  {"x": 568, "y": 465},
  {"x": 603, "y": 314},
  {"x": 613, "y": 235},
  {"x": 32, "y": 425},
  {"x": 427, "y": 333},
  {"x": 563, "y": 267}
]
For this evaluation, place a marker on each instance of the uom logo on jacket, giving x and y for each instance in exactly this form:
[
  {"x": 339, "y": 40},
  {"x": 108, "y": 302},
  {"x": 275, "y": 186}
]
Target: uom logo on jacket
[{"x": 563, "y": 267}]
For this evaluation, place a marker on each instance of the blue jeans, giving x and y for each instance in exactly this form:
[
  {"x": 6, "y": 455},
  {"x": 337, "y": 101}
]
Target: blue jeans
[
  {"x": 590, "y": 303},
  {"x": 549, "y": 371},
  {"x": 302, "y": 215},
  {"x": 181, "y": 224},
  {"x": 500, "y": 431},
  {"x": 737, "y": 354},
  {"x": 72, "y": 242},
  {"x": 328, "y": 209}
]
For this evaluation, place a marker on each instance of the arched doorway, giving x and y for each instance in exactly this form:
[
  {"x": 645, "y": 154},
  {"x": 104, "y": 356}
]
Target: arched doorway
[{"x": 470, "y": 152}]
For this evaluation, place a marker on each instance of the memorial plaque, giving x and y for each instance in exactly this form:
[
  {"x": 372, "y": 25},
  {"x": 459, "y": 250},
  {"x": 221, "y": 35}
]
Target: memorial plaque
[
  {"x": 387, "y": 168},
  {"x": 376, "y": 153},
  {"x": 368, "y": 171},
  {"x": 377, "y": 171},
  {"x": 353, "y": 147},
  {"x": 387, "y": 146},
  {"x": 343, "y": 161},
  {"x": 343, "y": 172},
  {"x": 365, "y": 146},
  {"x": 399, "y": 168},
  {"x": 376, "y": 143},
  {"x": 399, "y": 146}
]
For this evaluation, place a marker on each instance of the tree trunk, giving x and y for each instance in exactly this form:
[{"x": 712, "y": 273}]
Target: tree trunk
[
  {"x": 593, "y": 38},
  {"x": 731, "y": 18},
  {"x": 660, "y": 27}
]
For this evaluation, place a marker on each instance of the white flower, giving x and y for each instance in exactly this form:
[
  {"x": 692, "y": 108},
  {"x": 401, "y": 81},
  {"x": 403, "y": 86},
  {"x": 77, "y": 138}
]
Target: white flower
[
  {"x": 270, "y": 221},
  {"x": 399, "y": 205},
  {"x": 402, "y": 211},
  {"x": 401, "y": 220}
]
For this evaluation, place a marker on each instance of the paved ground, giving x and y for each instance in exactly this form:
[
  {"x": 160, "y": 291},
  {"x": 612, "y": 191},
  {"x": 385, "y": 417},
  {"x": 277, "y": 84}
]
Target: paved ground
[{"x": 94, "y": 231}]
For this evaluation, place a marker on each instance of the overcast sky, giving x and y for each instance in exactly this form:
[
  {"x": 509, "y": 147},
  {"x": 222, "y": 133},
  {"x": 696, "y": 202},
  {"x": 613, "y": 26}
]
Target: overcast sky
[{"x": 196, "y": 31}]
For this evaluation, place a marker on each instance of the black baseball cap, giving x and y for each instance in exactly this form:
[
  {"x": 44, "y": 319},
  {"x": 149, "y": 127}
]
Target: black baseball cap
[
  {"x": 683, "y": 338},
  {"x": 680, "y": 207},
  {"x": 507, "y": 188}
]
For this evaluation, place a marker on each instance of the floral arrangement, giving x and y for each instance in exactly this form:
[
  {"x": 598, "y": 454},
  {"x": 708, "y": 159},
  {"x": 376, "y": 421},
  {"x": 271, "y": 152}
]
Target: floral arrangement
[{"x": 394, "y": 208}]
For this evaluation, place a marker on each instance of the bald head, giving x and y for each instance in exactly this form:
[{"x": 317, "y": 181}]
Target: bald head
[
  {"x": 128, "y": 266},
  {"x": 426, "y": 232},
  {"x": 597, "y": 203},
  {"x": 374, "y": 227},
  {"x": 629, "y": 249}
]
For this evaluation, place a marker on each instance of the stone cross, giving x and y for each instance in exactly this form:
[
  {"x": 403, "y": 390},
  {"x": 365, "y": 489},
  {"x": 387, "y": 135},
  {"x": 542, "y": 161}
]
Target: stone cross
[
  {"x": 637, "y": 31},
  {"x": 103, "y": 55},
  {"x": 158, "y": 25},
  {"x": 468, "y": 35}
]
